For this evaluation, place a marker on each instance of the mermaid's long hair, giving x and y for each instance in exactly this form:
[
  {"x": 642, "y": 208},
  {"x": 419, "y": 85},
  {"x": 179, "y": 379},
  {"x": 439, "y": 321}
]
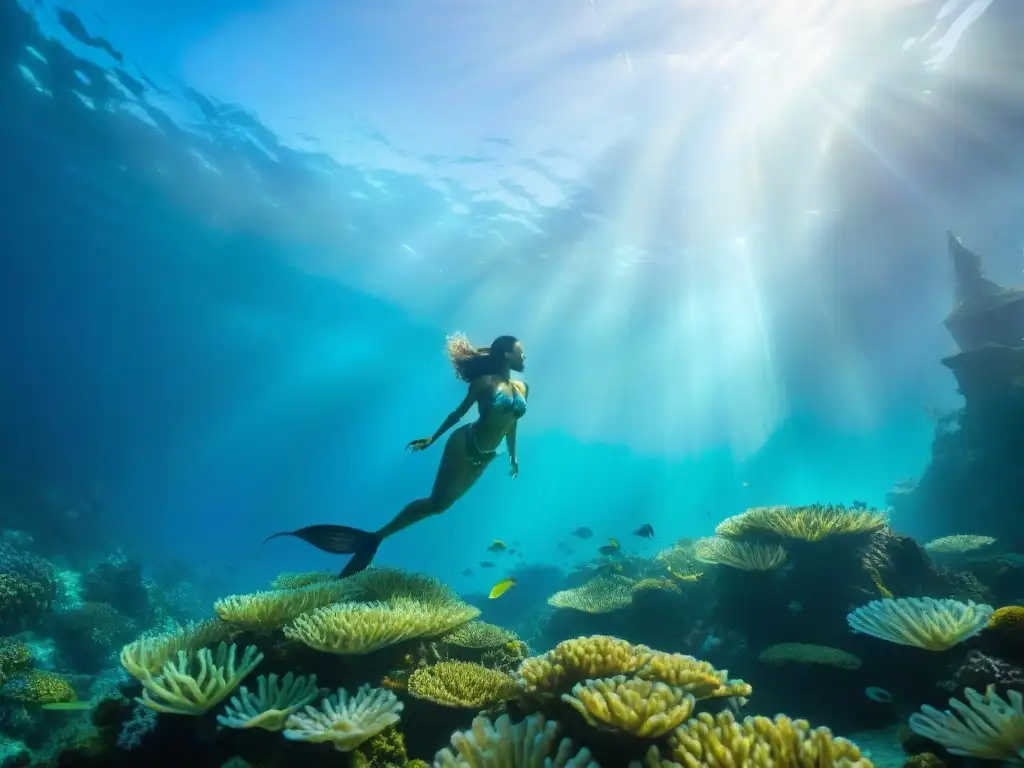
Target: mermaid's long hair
[{"x": 472, "y": 362}]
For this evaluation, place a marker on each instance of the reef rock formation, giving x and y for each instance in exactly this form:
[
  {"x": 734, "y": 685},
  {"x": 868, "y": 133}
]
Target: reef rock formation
[{"x": 973, "y": 480}]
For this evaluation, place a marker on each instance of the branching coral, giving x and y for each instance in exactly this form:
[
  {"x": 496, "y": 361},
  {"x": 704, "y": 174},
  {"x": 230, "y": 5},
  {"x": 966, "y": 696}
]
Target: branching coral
[
  {"x": 692, "y": 676},
  {"x": 271, "y": 610},
  {"x": 479, "y": 635},
  {"x": 739, "y": 554},
  {"x": 344, "y": 721},
  {"x": 680, "y": 560},
  {"x": 934, "y": 625},
  {"x": 988, "y": 727},
  {"x": 462, "y": 684},
  {"x": 637, "y": 707},
  {"x": 581, "y": 658},
  {"x": 808, "y": 523},
  {"x": 529, "y": 744},
  {"x": 150, "y": 652},
  {"x": 359, "y": 628},
  {"x": 28, "y": 586},
  {"x": 198, "y": 681},
  {"x": 809, "y": 653},
  {"x": 958, "y": 544},
  {"x": 720, "y": 741},
  {"x": 603, "y": 594},
  {"x": 274, "y": 701}
]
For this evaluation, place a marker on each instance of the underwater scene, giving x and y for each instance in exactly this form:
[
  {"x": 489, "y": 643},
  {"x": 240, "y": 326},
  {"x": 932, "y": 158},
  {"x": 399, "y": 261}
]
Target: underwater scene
[{"x": 540, "y": 384}]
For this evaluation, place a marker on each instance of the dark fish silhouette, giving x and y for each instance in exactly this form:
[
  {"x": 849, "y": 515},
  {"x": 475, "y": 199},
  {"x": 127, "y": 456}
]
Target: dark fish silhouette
[
  {"x": 497, "y": 546},
  {"x": 486, "y": 564},
  {"x": 611, "y": 548},
  {"x": 645, "y": 531},
  {"x": 861, "y": 505},
  {"x": 468, "y": 572},
  {"x": 583, "y": 533}
]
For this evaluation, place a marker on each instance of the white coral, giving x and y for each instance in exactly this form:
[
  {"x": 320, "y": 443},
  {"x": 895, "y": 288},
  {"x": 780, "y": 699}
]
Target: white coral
[
  {"x": 274, "y": 701},
  {"x": 989, "y": 727},
  {"x": 344, "y": 721},
  {"x": 503, "y": 745}
]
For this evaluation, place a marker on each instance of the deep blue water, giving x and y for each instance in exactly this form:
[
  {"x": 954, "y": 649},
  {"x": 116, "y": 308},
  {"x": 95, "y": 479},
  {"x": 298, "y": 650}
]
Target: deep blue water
[{"x": 234, "y": 331}]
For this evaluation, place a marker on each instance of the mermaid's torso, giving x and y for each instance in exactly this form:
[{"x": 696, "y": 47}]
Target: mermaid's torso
[
  {"x": 515, "y": 405},
  {"x": 501, "y": 405}
]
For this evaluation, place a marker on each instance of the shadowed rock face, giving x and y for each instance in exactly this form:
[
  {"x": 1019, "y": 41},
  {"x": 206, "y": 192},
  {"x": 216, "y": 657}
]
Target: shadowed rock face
[{"x": 986, "y": 313}]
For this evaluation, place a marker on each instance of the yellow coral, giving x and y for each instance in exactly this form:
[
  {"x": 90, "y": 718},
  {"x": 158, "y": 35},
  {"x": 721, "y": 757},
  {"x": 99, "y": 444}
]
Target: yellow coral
[
  {"x": 637, "y": 707},
  {"x": 654, "y": 585},
  {"x": 150, "y": 652},
  {"x": 385, "y": 749},
  {"x": 293, "y": 580},
  {"x": 198, "y": 681},
  {"x": 809, "y": 523},
  {"x": 14, "y": 656},
  {"x": 692, "y": 676},
  {"x": 573, "y": 661},
  {"x": 478, "y": 635},
  {"x": 603, "y": 594},
  {"x": 274, "y": 609},
  {"x": 809, "y": 653},
  {"x": 462, "y": 684},
  {"x": 36, "y": 687},
  {"x": 1009, "y": 618},
  {"x": 385, "y": 583},
  {"x": 739, "y": 554},
  {"x": 720, "y": 741},
  {"x": 358, "y": 628}
]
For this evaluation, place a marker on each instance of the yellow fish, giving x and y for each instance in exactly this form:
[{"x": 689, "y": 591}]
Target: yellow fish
[
  {"x": 501, "y": 588},
  {"x": 610, "y": 548},
  {"x": 497, "y": 546}
]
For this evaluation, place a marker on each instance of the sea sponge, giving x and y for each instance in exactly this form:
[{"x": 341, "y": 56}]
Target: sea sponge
[
  {"x": 637, "y": 707},
  {"x": 479, "y": 635},
  {"x": 274, "y": 701},
  {"x": 934, "y": 625},
  {"x": 692, "y": 676},
  {"x": 581, "y": 658},
  {"x": 14, "y": 657},
  {"x": 149, "y": 653},
  {"x": 988, "y": 727},
  {"x": 344, "y": 721},
  {"x": 272, "y": 610},
  {"x": 809, "y": 653},
  {"x": 37, "y": 687},
  {"x": 720, "y": 741},
  {"x": 198, "y": 681},
  {"x": 603, "y": 594},
  {"x": 462, "y": 684},
  {"x": 359, "y": 628},
  {"x": 739, "y": 554},
  {"x": 1009, "y": 619},
  {"x": 806, "y": 523},
  {"x": 958, "y": 544},
  {"x": 528, "y": 744}
]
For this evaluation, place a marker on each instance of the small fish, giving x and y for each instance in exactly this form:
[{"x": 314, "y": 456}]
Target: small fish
[
  {"x": 583, "y": 533},
  {"x": 608, "y": 569},
  {"x": 468, "y": 572},
  {"x": 501, "y": 588},
  {"x": 486, "y": 564},
  {"x": 611, "y": 548},
  {"x": 511, "y": 551},
  {"x": 497, "y": 546},
  {"x": 645, "y": 531},
  {"x": 861, "y": 505}
]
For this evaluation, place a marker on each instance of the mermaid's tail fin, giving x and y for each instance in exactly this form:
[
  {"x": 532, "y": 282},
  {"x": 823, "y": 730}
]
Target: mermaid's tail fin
[{"x": 339, "y": 540}]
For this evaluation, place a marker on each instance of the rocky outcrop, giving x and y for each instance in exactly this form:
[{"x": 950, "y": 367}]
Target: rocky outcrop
[{"x": 973, "y": 482}]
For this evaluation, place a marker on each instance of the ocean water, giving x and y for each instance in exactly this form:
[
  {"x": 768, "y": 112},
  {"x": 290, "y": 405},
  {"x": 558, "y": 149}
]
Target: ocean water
[{"x": 235, "y": 237}]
